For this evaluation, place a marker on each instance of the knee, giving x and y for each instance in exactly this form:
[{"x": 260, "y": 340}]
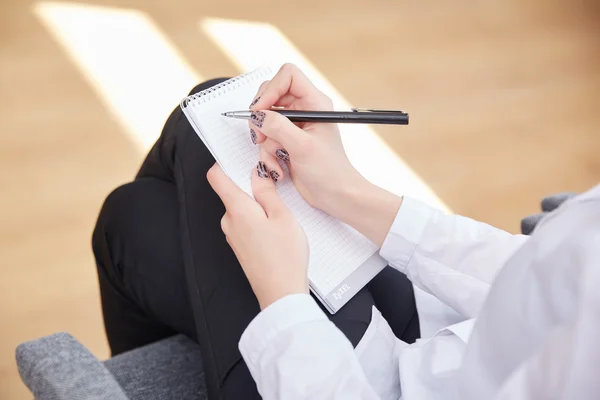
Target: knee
[
  {"x": 115, "y": 206},
  {"x": 132, "y": 213}
]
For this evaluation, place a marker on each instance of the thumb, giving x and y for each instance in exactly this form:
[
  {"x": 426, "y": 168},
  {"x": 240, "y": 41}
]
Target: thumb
[
  {"x": 265, "y": 192},
  {"x": 277, "y": 127}
]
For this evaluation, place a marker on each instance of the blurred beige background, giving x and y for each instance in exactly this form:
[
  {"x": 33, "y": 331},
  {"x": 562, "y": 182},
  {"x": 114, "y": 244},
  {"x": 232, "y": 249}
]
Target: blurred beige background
[{"x": 503, "y": 97}]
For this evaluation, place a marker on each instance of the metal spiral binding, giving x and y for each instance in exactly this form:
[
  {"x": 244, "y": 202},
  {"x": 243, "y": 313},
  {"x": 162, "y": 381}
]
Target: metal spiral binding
[{"x": 218, "y": 90}]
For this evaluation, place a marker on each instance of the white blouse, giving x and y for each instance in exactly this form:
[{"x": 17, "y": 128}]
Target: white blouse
[{"x": 502, "y": 317}]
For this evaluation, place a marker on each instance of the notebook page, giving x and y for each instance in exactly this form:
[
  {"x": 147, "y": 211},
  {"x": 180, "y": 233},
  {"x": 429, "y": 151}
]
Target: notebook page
[{"x": 336, "y": 249}]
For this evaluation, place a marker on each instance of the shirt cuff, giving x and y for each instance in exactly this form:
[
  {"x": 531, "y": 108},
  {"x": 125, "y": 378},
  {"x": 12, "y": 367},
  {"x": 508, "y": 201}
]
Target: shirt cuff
[
  {"x": 282, "y": 315},
  {"x": 406, "y": 232}
]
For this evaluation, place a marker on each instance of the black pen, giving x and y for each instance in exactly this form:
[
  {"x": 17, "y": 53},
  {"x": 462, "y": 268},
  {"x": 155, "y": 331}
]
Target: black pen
[{"x": 356, "y": 116}]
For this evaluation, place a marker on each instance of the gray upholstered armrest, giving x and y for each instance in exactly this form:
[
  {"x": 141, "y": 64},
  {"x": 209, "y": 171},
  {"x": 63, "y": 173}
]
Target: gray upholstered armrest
[
  {"x": 168, "y": 369},
  {"x": 58, "y": 367},
  {"x": 549, "y": 204}
]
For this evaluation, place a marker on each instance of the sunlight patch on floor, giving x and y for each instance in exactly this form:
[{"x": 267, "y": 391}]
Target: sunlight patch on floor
[{"x": 133, "y": 67}]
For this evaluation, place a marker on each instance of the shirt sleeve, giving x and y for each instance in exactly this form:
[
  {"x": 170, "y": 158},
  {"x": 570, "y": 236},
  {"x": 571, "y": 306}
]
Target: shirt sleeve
[
  {"x": 293, "y": 351},
  {"x": 449, "y": 256},
  {"x": 536, "y": 336}
]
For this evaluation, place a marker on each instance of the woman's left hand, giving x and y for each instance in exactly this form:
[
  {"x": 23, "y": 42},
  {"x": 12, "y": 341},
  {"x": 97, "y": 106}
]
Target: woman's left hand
[{"x": 265, "y": 236}]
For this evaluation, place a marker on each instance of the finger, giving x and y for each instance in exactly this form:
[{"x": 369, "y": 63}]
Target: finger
[
  {"x": 275, "y": 171},
  {"x": 225, "y": 223},
  {"x": 288, "y": 80},
  {"x": 265, "y": 192},
  {"x": 287, "y": 101},
  {"x": 288, "y": 85},
  {"x": 263, "y": 86},
  {"x": 228, "y": 191},
  {"x": 277, "y": 127},
  {"x": 256, "y": 136},
  {"x": 274, "y": 148}
]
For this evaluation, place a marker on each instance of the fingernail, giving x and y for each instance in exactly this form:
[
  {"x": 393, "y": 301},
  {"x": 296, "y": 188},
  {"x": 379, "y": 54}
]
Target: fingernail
[
  {"x": 257, "y": 118},
  {"x": 253, "y": 135},
  {"x": 254, "y": 102},
  {"x": 261, "y": 170},
  {"x": 283, "y": 155},
  {"x": 274, "y": 175}
]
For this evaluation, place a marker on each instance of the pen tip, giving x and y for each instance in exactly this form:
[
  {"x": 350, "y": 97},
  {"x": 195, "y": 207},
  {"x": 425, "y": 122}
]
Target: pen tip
[{"x": 224, "y": 114}]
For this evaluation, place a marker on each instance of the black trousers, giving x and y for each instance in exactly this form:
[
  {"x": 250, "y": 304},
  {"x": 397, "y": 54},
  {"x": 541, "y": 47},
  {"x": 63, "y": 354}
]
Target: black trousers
[{"x": 164, "y": 267}]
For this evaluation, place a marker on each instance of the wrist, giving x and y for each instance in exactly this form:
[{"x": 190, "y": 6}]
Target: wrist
[
  {"x": 344, "y": 196},
  {"x": 278, "y": 291},
  {"x": 366, "y": 207}
]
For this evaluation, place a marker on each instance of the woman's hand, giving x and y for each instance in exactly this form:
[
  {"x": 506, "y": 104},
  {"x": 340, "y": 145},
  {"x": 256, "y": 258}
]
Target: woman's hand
[
  {"x": 315, "y": 155},
  {"x": 318, "y": 163},
  {"x": 264, "y": 235}
]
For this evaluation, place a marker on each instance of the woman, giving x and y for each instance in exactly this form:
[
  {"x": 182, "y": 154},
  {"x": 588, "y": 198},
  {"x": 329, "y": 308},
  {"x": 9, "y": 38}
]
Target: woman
[{"x": 165, "y": 267}]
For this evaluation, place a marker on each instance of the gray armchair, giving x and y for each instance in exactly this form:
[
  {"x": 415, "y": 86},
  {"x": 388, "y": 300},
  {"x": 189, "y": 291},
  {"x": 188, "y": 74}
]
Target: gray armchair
[{"x": 58, "y": 367}]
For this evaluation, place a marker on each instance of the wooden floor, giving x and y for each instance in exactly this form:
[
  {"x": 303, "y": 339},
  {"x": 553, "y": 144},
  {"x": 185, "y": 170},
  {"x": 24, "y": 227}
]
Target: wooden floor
[{"x": 503, "y": 97}]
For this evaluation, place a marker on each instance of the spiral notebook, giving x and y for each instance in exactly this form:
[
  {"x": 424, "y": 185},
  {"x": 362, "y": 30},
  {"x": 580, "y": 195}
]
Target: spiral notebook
[{"x": 342, "y": 261}]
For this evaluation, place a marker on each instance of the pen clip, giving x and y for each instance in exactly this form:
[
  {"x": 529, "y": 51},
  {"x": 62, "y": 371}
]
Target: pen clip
[{"x": 377, "y": 110}]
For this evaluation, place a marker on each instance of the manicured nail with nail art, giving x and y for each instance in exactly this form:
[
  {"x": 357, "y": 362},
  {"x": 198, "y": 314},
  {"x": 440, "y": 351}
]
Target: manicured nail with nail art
[
  {"x": 257, "y": 118},
  {"x": 261, "y": 170},
  {"x": 254, "y": 102},
  {"x": 253, "y": 135},
  {"x": 283, "y": 155},
  {"x": 274, "y": 175}
]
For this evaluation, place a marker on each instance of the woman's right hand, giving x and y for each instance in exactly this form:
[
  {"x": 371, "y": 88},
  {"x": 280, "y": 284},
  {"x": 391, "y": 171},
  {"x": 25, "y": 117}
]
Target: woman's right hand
[
  {"x": 314, "y": 152},
  {"x": 315, "y": 155}
]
